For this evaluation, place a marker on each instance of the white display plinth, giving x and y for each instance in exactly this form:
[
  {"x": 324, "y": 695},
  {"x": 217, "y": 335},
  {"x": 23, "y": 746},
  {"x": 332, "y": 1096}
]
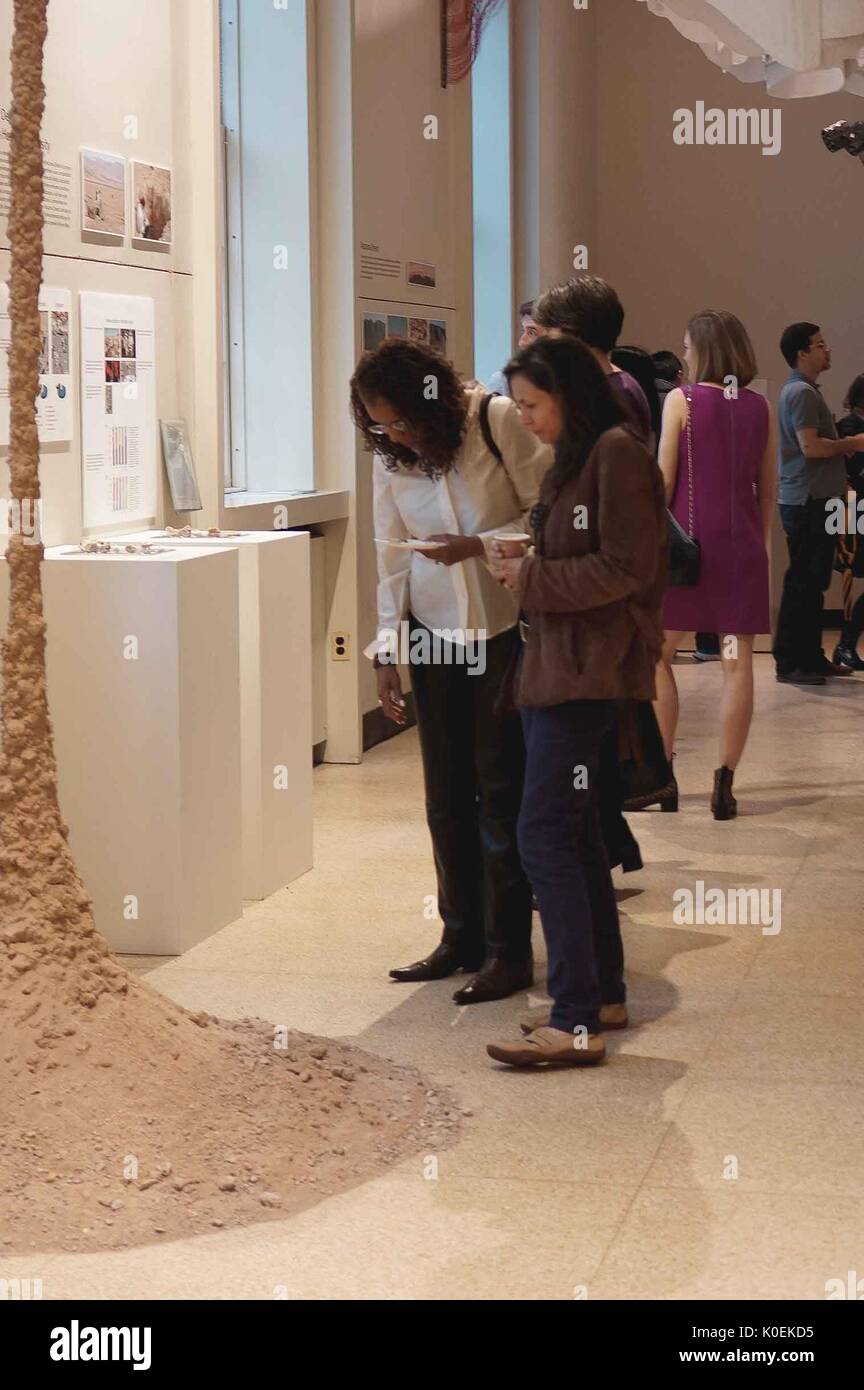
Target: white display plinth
[
  {"x": 142, "y": 658},
  {"x": 275, "y": 700}
]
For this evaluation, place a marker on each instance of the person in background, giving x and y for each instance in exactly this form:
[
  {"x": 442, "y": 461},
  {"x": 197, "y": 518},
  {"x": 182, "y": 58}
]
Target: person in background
[
  {"x": 852, "y": 550},
  {"x": 436, "y": 479},
  {"x": 637, "y": 362},
  {"x": 591, "y": 603},
  {"x": 498, "y": 381},
  {"x": 587, "y": 307},
  {"x": 707, "y": 647},
  {"x": 812, "y": 472},
  {"x": 717, "y": 459},
  {"x": 668, "y": 373}
]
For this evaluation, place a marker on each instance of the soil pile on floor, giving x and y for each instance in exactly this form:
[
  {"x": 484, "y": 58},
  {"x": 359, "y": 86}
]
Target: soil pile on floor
[{"x": 132, "y": 1120}]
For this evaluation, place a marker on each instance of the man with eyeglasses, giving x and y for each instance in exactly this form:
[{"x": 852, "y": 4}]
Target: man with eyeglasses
[
  {"x": 498, "y": 382},
  {"x": 812, "y": 471}
]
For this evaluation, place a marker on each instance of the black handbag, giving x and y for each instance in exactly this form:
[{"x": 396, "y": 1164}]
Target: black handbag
[{"x": 684, "y": 552}]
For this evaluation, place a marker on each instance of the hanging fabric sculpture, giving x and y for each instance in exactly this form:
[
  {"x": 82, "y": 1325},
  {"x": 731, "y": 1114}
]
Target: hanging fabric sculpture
[
  {"x": 797, "y": 48},
  {"x": 462, "y": 24}
]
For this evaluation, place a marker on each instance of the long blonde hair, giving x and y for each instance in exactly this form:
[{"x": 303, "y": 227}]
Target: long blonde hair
[{"x": 720, "y": 347}]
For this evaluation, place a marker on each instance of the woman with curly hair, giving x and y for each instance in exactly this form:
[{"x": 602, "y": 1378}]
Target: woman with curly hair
[{"x": 454, "y": 467}]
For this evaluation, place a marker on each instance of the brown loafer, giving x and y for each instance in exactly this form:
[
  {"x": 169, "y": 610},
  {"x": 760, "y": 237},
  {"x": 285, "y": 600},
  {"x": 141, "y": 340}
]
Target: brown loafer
[
  {"x": 612, "y": 1017},
  {"x": 550, "y": 1047}
]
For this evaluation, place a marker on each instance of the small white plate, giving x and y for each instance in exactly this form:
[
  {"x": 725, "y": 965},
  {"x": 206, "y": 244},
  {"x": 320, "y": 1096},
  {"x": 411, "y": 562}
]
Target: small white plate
[{"x": 412, "y": 544}]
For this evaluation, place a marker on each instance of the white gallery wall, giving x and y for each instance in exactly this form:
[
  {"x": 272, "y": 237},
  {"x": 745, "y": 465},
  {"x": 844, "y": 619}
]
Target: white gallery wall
[
  {"x": 122, "y": 80},
  {"x": 424, "y": 215}
]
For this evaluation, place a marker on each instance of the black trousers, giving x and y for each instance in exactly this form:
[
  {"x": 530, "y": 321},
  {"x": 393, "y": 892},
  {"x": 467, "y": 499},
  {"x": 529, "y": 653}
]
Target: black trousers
[
  {"x": 798, "y": 640},
  {"x": 473, "y": 768}
]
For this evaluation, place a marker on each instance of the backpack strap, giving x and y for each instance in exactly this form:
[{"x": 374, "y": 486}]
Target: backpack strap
[{"x": 486, "y": 428}]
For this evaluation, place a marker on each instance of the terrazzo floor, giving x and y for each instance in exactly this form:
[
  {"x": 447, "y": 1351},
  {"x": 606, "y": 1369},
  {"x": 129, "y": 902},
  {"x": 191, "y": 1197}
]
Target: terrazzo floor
[{"x": 720, "y": 1151}]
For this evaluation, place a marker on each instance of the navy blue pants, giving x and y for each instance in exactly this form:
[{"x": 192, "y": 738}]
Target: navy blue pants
[{"x": 561, "y": 847}]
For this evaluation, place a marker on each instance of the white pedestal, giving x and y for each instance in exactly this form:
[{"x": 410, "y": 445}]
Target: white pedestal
[
  {"x": 275, "y": 700},
  {"x": 142, "y": 683}
]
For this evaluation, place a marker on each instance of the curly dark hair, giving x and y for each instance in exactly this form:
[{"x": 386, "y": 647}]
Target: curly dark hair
[
  {"x": 564, "y": 367},
  {"x": 400, "y": 372}
]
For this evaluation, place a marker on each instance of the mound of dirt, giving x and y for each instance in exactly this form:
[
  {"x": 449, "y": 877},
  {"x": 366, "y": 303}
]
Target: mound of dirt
[{"x": 134, "y": 1121}]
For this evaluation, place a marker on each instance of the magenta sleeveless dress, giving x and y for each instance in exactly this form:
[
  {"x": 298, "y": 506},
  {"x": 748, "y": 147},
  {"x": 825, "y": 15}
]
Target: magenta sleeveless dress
[{"x": 729, "y": 439}]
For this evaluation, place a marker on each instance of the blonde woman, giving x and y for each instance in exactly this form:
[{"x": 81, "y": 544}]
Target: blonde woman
[{"x": 718, "y": 460}]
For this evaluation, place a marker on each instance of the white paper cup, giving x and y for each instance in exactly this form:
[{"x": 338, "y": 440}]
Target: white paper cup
[{"x": 512, "y": 545}]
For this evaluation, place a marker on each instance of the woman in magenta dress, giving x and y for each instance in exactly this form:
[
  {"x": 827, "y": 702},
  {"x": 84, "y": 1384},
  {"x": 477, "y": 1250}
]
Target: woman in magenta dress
[{"x": 718, "y": 459}]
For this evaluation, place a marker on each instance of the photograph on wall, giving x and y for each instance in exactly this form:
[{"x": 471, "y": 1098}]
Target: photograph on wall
[
  {"x": 438, "y": 336},
  {"x": 103, "y": 194},
  {"x": 420, "y": 273},
  {"x": 397, "y": 326},
  {"x": 151, "y": 203},
  {"x": 119, "y": 462},
  {"x": 54, "y": 394},
  {"x": 44, "y": 350},
  {"x": 418, "y": 330},
  {"x": 180, "y": 471},
  {"x": 60, "y": 342},
  {"x": 374, "y": 330}
]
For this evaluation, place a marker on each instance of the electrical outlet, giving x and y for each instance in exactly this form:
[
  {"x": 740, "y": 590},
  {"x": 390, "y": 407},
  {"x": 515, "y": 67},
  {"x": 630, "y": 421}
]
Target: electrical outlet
[{"x": 340, "y": 646}]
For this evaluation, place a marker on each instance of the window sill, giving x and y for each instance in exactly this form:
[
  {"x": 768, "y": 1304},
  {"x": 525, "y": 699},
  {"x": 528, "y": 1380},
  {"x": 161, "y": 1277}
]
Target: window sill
[{"x": 258, "y": 511}]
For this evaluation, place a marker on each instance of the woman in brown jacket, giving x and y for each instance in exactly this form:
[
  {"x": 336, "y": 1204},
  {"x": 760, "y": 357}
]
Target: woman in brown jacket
[{"x": 590, "y": 593}]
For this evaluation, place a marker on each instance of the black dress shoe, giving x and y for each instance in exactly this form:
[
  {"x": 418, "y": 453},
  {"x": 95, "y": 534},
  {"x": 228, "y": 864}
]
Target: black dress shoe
[
  {"x": 801, "y": 677},
  {"x": 498, "y": 980},
  {"x": 445, "y": 960},
  {"x": 833, "y": 668},
  {"x": 847, "y": 656}
]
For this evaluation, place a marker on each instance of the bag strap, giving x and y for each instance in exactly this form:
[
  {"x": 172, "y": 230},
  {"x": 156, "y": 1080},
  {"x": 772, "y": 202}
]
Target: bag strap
[
  {"x": 688, "y": 396},
  {"x": 486, "y": 428}
]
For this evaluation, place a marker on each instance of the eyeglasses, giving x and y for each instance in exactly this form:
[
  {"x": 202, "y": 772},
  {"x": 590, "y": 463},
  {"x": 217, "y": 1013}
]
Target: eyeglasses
[{"x": 399, "y": 426}]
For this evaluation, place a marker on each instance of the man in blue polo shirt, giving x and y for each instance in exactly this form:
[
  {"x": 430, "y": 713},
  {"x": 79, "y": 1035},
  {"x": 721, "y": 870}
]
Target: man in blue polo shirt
[{"x": 812, "y": 471}]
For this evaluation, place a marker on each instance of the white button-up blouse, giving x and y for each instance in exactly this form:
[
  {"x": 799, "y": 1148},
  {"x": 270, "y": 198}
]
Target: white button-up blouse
[{"x": 478, "y": 497}]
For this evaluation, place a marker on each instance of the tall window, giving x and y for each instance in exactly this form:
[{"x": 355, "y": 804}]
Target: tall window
[
  {"x": 491, "y": 165},
  {"x": 268, "y": 300}
]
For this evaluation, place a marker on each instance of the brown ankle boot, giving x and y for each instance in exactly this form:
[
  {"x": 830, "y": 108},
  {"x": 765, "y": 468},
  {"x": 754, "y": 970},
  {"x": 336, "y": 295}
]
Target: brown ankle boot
[{"x": 723, "y": 804}]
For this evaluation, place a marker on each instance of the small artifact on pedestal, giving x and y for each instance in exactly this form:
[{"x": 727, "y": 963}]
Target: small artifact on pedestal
[
  {"x": 120, "y": 548},
  {"x": 187, "y": 533}
]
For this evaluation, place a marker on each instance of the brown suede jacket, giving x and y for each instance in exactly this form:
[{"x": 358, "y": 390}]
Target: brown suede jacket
[{"x": 591, "y": 593}]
